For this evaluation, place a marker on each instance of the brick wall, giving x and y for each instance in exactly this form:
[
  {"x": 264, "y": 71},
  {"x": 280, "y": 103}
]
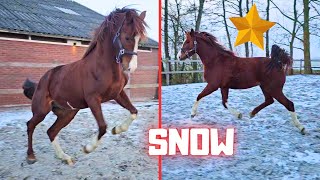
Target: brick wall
[{"x": 18, "y": 57}]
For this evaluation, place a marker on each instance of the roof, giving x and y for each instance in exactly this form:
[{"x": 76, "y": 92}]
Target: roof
[{"x": 57, "y": 18}]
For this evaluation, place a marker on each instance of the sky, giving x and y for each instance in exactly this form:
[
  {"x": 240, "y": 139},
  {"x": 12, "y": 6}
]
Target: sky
[{"x": 151, "y": 6}]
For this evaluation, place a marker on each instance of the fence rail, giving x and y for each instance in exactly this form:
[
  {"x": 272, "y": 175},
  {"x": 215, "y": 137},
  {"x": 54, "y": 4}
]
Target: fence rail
[{"x": 297, "y": 65}]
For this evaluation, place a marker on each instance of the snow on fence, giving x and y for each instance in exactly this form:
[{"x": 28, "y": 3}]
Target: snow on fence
[{"x": 298, "y": 64}]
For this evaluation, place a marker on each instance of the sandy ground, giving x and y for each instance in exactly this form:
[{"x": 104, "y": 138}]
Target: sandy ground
[
  {"x": 266, "y": 147},
  {"x": 121, "y": 156}
]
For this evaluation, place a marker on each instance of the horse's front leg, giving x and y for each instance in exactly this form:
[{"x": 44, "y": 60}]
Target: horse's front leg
[
  {"x": 94, "y": 104},
  {"x": 225, "y": 93},
  {"x": 64, "y": 118},
  {"x": 124, "y": 101},
  {"x": 205, "y": 92}
]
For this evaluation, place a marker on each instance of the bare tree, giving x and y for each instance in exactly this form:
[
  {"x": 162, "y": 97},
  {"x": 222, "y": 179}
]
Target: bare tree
[
  {"x": 251, "y": 46},
  {"x": 267, "y": 34},
  {"x": 295, "y": 28},
  {"x": 306, "y": 38},
  {"x": 197, "y": 28},
  {"x": 246, "y": 45},
  {"x": 199, "y": 16},
  {"x": 166, "y": 36},
  {"x": 297, "y": 25},
  {"x": 225, "y": 24},
  {"x": 176, "y": 30}
]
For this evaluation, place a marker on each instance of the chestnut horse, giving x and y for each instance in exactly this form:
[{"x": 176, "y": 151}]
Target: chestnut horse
[
  {"x": 98, "y": 77},
  {"x": 224, "y": 70}
]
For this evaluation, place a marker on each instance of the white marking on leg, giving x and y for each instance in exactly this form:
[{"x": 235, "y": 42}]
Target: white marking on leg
[
  {"x": 133, "y": 64},
  {"x": 93, "y": 145},
  {"x": 234, "y": 112},
  {"x": 125, "y": 125},
  {"x": 195, "y": 108},
  {"x": 296, "y": 121},
  {"x": 59, "y": 152}
]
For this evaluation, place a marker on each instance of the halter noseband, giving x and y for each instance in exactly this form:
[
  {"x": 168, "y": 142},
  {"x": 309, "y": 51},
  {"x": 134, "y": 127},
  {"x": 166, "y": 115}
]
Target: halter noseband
[
  {"x": 189, "y": 51},
  {"x": 122, "y": 51}
]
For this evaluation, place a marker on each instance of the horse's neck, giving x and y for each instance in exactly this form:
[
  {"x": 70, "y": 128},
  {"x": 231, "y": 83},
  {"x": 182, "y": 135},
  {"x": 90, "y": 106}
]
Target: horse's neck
[
  {"x": 204, "y": 52},
  {"x": 209, "y": 55},
  {"x": 103, "y": 57},
  {"x": 105, "y": 54}
]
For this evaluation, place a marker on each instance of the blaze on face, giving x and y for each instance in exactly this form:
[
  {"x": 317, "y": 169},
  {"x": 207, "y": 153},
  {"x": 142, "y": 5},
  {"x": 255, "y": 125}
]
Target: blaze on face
[
  {"x": 189, "y": 46},
  {"x": 130, "y": 40}
]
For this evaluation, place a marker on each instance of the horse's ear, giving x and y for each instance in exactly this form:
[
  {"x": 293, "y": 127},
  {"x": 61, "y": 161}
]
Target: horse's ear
[
  {"x": 192, "y": 32},
  {"x": 143, "y": 15}
]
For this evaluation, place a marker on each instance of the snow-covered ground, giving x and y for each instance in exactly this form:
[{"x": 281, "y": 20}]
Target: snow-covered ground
[
  {"x": 267, "y": 146},
  {"x": 121, "y": 156}
]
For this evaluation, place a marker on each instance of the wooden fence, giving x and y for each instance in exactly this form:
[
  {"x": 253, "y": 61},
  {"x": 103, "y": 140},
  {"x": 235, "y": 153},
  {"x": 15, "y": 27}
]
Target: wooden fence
[{"x": 298, "y": 65}]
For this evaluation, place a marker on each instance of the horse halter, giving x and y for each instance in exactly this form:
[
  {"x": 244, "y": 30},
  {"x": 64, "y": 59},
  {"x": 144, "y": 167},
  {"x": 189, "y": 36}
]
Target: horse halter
[
  {"x": 187, "y": 53},
  {"x": 122, "y": 51}
]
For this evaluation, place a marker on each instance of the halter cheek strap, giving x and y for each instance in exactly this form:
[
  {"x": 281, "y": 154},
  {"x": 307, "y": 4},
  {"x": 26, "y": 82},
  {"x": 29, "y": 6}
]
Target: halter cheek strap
[
  {"x": 122, "y": 51},
  {"x": 193, "y": 49}
]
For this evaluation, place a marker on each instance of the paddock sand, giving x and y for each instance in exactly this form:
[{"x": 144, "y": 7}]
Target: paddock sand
[{"x": 121, "y": 156}]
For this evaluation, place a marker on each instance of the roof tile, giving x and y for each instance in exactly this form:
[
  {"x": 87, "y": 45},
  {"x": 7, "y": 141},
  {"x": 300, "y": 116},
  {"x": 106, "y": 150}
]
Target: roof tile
[{"x": 52, "y": 17}]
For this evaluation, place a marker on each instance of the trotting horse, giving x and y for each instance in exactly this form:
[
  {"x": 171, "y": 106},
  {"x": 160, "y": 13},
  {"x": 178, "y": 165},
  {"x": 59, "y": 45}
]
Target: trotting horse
[
  {"x": 98, "y": 77},
  {"x": 224, "y": 70}
]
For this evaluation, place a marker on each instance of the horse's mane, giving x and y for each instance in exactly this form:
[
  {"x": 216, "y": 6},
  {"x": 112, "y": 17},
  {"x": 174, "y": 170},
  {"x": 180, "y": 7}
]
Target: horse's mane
[
  {"x": 111, "y": 24},
  {"x": 213, "y": 42}
]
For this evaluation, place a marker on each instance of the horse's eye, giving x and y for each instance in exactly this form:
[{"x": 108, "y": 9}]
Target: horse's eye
[{"x": 127, "y": 38}]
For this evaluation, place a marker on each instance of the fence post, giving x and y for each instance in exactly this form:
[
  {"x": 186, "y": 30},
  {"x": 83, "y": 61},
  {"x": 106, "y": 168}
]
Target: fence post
[{"x": 167, "y": 73}]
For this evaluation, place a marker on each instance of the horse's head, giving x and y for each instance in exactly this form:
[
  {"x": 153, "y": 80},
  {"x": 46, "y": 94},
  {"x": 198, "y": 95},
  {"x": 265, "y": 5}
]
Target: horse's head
[
  {"x": 189, "y": 47},
  {"x": 120, "y": 32},
  {"x": 127, "y": 37}
]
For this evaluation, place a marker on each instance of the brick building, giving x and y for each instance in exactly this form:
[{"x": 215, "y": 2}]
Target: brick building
[{"x": 37, "y": 35}]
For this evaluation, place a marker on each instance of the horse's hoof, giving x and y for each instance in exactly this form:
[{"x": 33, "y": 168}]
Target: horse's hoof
[
  {"x": 303, "y": 131},
  {"x": 70, "y": 161},
  {"x": 84, "y": 149},
  {"x": 251, "y": 115},
  {"x": 240, "y": 116},
  {"x": 31, "y": 160},
  {"x": 193, "y": 115},
  {"x": 113, "y": 131}
]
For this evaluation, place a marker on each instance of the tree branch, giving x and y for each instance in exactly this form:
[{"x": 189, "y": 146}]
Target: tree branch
[
  {"x": 288, "y": 46},
  {"x": 292, "y": 19}
]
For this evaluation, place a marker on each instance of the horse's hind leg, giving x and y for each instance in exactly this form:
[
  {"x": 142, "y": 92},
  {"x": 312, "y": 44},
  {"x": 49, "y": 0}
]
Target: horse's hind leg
[
  {"x": 279, "y": 96},
  {"x": 40, "y": 108},
  {"x": 268, "y": 100},
  {"x": 31, "y": 125},
  {"x": 64, "y": 118},
  {"x": 205, "y": 92},
  {"x": 124, "y": 101},
  {"x": 225, "y": 93}
]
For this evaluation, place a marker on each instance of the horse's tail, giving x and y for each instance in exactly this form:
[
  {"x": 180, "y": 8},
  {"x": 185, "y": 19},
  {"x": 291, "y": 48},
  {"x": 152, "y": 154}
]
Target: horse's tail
[
  {"x": 28, "y": 88},
  {"x": 280, "y": 59}
]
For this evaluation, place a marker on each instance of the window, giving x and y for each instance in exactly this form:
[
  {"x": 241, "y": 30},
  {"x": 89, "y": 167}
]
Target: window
[
  {"x": 144, "y": 48},
  {"x": 13, "y": 35},
  {"x": 48, "y": 39},
  {"x": 85, "y": 42}
]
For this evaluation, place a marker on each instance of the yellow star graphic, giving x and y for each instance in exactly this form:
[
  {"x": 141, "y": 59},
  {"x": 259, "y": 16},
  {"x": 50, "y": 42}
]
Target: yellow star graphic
[{"x": 251, "y": 28}]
